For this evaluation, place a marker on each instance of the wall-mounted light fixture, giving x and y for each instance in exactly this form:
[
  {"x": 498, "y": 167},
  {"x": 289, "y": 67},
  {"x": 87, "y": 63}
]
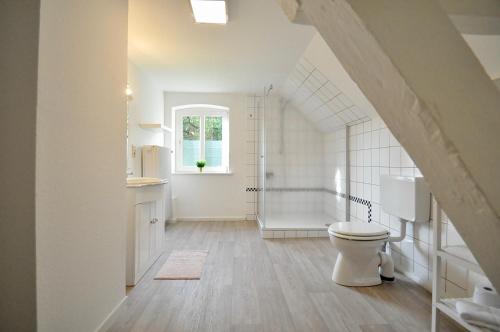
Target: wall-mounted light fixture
[
  {"x": 209, "y": 11},
  {"x": 129, "y": 93}
]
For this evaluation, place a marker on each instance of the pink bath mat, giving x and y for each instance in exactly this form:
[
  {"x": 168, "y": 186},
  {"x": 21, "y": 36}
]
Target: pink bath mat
[{"x": 183, "y": 265}]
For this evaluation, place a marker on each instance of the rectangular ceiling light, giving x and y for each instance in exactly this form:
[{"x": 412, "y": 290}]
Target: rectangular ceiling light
[{"x": 209, "y": 11}]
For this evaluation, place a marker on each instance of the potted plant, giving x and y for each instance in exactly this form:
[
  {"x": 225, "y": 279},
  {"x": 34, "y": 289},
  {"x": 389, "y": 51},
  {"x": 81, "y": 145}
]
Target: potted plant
[{"x": 200, "y": 164}]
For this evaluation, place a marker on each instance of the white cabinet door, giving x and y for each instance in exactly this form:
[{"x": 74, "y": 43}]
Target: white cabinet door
[
  {"x": 168, "y": 202},
  {"x": 156, "y": 229},
  {"x": 152, "y": 231},
  {"x": 159, "y": 226},
  {"x": 143, "y": 227}
]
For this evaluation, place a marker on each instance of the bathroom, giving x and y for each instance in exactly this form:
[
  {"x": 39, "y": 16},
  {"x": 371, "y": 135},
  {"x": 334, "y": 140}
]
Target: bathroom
[
  {"x": 312, "y": 153},
  {"x": 303, "y": 153},
  {"x": 279, "y": 171}
]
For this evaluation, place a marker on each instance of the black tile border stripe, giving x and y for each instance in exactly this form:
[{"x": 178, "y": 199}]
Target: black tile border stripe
[
  {"x": 354, "y": 199},
  {"x": 252, "y": 189},
  {"x": 364, "y": 202}
]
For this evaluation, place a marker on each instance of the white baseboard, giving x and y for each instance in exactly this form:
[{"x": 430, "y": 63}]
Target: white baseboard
[
  {"x": 239, "y": 218},
  {"x": 416, "y": 279},
  {"x": 110, "y": 318}
]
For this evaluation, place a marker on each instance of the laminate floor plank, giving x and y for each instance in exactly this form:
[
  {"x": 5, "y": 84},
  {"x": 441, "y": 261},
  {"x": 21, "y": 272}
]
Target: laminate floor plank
[
  {"x": 304, "y": 315},
  {"x": 251, "y": 284},
  {"x": 245, "y": 304}
]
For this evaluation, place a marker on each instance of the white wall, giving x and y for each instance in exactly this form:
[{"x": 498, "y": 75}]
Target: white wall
[
  {"x": 213, "y": 196},
  {"x": 19, "y": 23},
  {"x": 146, "y": 106},
  {"x": 81, "y": 162}
]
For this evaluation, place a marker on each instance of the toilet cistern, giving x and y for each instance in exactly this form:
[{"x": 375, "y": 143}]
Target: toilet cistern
[{"x": 406, "y": 198}]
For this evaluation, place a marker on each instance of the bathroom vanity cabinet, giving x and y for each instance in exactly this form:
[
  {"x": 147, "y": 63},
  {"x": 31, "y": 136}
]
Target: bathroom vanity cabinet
[{"x": 145, "y": 228}]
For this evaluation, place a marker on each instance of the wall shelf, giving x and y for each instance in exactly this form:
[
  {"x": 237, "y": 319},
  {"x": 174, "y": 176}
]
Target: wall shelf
[
  {"x": 458, "y": 255},
  {"x": 156, "y": 127},
  {"x": 447, "y": 307}
]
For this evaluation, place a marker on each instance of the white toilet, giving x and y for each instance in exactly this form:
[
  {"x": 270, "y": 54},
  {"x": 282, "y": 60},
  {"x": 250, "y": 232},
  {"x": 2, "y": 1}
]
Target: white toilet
[{"x": 360, "y": 261}]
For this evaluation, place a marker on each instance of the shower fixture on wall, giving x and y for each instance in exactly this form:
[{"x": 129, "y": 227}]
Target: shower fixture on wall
[
  {"x": 268, "y": 90},
  {"x": 283, "y": 104}
]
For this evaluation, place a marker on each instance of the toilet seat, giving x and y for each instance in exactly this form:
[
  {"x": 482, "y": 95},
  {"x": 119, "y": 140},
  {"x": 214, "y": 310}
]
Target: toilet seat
[{"x": 358, "y": 231}]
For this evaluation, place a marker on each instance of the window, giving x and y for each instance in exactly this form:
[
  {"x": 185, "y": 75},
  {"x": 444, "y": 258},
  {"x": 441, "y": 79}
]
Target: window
[{"x": 202, "y": 133}]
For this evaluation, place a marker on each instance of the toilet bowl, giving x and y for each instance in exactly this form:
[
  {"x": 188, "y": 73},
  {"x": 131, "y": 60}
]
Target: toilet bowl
[{"x": 358, "y": 260}]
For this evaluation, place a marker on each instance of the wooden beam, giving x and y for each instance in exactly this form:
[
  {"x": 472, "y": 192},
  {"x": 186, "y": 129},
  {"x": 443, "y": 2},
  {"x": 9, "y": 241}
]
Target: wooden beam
[
  {"x": 471, "y": 7},
  {"x": 476, "y": 25}
]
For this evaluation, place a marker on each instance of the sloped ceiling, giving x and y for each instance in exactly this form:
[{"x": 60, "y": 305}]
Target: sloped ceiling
[
  {"x": 319, "y": 87},
  {"x": 319, "y": 99},
  {"x": 487, "y": 50}
]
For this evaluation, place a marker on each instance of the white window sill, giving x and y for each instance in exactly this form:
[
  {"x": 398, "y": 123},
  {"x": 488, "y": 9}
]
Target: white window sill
[{"x": 203, "y": 173}]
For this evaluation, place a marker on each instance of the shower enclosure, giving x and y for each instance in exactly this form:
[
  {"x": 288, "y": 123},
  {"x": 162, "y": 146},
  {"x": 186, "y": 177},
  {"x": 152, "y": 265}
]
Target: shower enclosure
[{"x": 297, "y": 186}]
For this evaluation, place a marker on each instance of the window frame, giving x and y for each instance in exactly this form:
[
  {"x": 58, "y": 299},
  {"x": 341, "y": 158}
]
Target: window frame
[{"x": 203, "y": 111}]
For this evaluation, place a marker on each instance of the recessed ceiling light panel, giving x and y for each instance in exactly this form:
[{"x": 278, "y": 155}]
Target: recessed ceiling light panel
[{"x": 209, "y": 11}]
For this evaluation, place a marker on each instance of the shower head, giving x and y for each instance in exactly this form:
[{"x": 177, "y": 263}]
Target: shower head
[{"x": 269, "y": 90}]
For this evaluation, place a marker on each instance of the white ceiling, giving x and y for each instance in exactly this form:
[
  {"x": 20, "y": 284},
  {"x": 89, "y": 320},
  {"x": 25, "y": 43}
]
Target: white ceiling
[{"x": 258, "y": 46}]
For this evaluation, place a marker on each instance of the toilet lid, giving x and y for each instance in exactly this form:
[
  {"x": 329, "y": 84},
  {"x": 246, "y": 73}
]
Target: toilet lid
[{"x": 357, "y": 230}]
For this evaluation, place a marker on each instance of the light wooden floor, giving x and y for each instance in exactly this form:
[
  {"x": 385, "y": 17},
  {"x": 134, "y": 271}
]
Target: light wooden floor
[{"x": 251, "y": 284}]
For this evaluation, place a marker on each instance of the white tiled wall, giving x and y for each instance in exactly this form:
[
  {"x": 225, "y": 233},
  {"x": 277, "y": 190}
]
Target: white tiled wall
[
  {"x": 297, "y": 163},
  {"x": 458, "y": 281},
  {"x": 334, "y": 147},
  {"x": 374, "y": 151},
  {"x": 253, "y": 103}
]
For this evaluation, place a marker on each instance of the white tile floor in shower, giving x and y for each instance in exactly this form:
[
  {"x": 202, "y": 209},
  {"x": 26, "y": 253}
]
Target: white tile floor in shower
[{"x": 290, "y": 225}]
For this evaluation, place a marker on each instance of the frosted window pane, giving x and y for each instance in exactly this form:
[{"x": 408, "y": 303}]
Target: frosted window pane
[
  {"x": 213, "y": 141},
  {"x": 191, "y": 140}
]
